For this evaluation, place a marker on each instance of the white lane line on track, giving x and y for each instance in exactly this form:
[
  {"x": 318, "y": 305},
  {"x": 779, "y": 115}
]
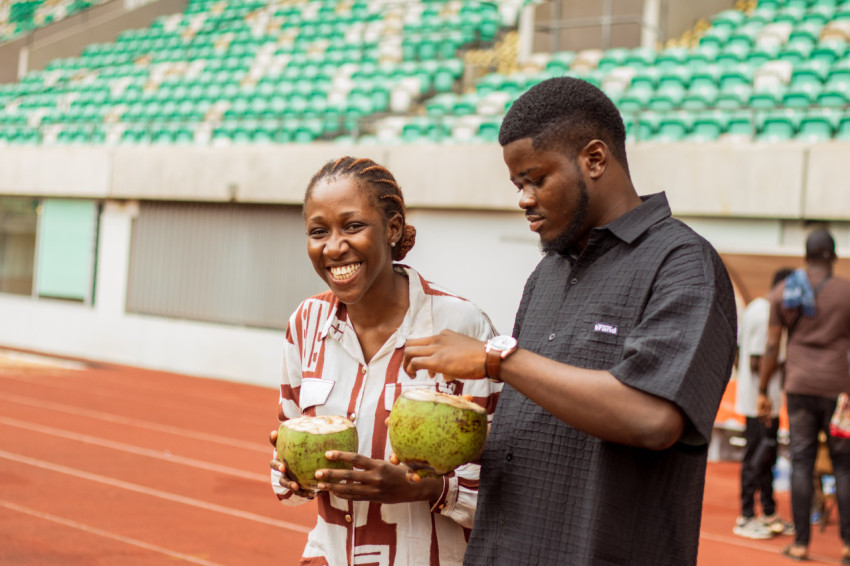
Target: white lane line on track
[
  {"x": 53, "y": 467},
  {"x": 106, "y": 534},
  {"x": 95, "y": 387},
  {"x": 158, "y": 454},
  {"x": 110, "y": 417},
  {"x": 755, "y": 545}
]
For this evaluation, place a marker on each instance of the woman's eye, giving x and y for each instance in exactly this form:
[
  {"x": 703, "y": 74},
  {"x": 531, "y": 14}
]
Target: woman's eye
[{"x": 316, "y": 232}]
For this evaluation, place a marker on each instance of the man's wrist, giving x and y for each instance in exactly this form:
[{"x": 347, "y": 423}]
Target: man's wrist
[{"x": 762, "y": 390}]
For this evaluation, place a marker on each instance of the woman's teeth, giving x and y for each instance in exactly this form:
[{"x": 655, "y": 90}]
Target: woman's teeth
[{"x": 343, "y": 272}]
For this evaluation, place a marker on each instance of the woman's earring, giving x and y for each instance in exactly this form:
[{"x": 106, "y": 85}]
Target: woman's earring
[{"x": 392, "y": 244}]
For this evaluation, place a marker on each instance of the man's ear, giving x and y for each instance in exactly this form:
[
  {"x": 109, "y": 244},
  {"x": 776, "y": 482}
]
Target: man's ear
[{"x": 594, "y": 156}]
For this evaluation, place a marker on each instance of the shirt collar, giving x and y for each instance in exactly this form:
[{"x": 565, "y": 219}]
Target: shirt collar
[
  {"x": 417, "y": 320},
  {"x": 635, "y": 222}
]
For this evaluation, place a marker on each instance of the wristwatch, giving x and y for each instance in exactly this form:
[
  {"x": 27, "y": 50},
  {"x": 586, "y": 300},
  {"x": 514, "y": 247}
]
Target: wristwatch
[{"x": 498, "y": 348}]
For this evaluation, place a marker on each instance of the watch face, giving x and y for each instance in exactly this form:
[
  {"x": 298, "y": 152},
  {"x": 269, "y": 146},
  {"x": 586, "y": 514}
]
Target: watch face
[{"x": 503, "y": 342}]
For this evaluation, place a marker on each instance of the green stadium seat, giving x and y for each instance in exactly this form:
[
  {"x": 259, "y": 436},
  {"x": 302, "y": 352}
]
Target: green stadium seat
[
  {"x": 733, "y": 97},
  {"x": 829, "y": 51},
  {"x": 699, "y": 99},
  {"x": 612, "y": 58},
  {"x": 843, "y": 130},
  {"x": 634, "y": 100},
  {"x": 665, "y": 101},
  {"x": 640, "y": 57},
  {"x": 715, "y": 38},
  {"x": 672, "y": 128},
  {"x": 707, "y": 127},
  {"x": 740, "y": 125},
  {"x": 801, "y": 95},
  {"x": 671, "y": 57},
  {"x": 645, "y": 126},
  {"x": 777, "y": 126},
  {"x": 816, "y": 128},
  {"x": 834, "y": 96},
  {"x": 765, "y": 98},
  {"x": 728, "y": 20}
]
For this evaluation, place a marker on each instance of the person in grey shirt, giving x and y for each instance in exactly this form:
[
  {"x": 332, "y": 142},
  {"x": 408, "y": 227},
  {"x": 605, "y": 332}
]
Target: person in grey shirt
[{"x": 622, "y": 347}]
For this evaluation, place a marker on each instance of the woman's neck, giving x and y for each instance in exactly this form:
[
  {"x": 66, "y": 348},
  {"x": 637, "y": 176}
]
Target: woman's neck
[{"x": 379, "y": 315}]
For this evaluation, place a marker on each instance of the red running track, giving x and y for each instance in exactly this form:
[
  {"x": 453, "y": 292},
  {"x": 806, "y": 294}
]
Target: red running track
[{"x": 103, "y": 465}]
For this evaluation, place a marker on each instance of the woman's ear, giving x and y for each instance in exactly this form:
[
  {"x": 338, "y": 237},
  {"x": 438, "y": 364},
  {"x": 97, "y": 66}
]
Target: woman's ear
[{"x": 395, "y": 228}]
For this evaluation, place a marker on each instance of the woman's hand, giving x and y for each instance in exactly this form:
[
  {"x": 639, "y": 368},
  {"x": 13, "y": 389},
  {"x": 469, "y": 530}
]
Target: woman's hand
[
  {"x": 376, "y": 480},
  {"x": 285, "y": 481}
]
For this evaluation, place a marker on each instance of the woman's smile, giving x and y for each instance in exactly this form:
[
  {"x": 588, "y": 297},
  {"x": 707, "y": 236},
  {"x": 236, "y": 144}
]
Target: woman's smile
[{"x": 341, "y": 273}]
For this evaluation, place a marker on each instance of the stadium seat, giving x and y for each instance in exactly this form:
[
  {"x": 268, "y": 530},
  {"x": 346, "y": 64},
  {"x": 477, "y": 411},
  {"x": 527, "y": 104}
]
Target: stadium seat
[
  {"x": 816, "y": 128},
  {"x": 777, "y": 126},
  {"x": 707, "y": 126}
]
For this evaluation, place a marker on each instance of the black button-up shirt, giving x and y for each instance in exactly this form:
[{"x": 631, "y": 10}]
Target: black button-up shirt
[{"x": 650, "y": 301}]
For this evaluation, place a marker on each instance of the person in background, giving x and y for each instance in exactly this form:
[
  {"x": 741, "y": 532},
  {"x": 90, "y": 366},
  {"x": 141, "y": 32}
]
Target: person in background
[
  {"x": 813, "y": 307},
  {"x": 761, "y": 435},
  {"x": 342, "y": 356},
  {"x": 621, "y": 350}
]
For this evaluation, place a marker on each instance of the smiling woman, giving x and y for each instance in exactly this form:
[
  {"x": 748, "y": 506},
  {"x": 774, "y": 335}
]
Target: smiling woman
[{"x": 343, "y": 356}]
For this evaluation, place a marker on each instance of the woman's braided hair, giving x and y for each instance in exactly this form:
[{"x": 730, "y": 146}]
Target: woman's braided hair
[{"x": 380, "y": 183}]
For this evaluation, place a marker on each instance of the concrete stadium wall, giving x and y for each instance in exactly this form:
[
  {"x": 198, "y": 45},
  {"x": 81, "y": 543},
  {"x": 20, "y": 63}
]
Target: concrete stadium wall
[{"x": 786, "y": 181}]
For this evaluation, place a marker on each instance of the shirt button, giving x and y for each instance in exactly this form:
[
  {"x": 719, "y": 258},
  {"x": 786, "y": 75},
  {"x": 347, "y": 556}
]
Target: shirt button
[
  {"x": 551, "y": 336},
  {"x": 348, "y": 518},
  {"x": 509, "y": 457},
  {"x": 364, "y": 369},
  {"x": 501, "y": 521},
  {"x": 352, "y": 416},
  {"x": 573, "y": 281}
]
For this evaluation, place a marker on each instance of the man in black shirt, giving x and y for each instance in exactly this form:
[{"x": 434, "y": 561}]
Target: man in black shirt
[{"x": 621, "y": 350}]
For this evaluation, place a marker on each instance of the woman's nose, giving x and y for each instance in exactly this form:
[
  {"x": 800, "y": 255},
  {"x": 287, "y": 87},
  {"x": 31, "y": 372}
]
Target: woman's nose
[{"x": 336, "y": 245}]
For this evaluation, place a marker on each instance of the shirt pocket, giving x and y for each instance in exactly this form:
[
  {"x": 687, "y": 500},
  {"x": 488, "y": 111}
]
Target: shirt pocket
[
  {"x": 315, "y": 392},
  {"x": 602, "y": 337}
]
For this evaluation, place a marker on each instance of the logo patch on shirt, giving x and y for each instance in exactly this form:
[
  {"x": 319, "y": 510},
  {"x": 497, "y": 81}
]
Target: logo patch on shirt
[{"x": 605, "y": 328}]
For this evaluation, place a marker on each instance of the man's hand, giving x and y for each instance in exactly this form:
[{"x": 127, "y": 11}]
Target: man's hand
[
  {"x": 454, "y": 355},
  {"x": 764, "y": 407},
  {"x": 285, "y": 481},
  {"x": 375, "y": 480}
]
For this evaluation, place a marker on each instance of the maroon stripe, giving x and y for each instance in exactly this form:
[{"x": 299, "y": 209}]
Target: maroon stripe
[{"x": 435, "y": 545}]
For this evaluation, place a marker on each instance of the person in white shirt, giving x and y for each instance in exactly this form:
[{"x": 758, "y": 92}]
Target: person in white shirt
[
  {"x": 343, "y": 356},
  {"x": 761, "y": 451}
]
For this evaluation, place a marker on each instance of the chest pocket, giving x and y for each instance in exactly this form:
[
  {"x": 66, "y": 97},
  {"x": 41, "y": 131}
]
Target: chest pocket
[
  {"x": 315, "y": 392},
  {"x": 601, "y": 336}
]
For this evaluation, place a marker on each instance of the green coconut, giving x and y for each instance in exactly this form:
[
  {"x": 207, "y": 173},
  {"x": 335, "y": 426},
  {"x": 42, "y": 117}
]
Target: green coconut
[
  {"x": 303, "y": 441},
  {"x": 433, "y": 433}
]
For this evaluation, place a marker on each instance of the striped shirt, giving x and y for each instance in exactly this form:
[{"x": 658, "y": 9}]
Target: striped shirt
[{"x": 324, "y": 373}]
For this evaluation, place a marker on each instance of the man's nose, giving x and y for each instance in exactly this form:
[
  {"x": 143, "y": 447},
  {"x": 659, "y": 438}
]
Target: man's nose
[{"x": 526, "y": 199}]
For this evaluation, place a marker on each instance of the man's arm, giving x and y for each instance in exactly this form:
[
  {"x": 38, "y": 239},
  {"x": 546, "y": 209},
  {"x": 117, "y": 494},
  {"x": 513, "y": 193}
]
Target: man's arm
[
  {"x": 593, "y": 401},
  {"x": 767, "y": 367}
]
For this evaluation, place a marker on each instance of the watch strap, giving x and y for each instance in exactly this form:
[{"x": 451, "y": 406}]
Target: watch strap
[{"x": 493, "y": 364}]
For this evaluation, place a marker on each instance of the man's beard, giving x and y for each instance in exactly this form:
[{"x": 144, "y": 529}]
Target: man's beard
[{"x": 563, "y": 242}]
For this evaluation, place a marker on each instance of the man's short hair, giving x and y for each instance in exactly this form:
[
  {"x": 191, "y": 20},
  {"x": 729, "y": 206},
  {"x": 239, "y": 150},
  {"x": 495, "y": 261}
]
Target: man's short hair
[
  {"x": 820, "y": 245},
  {"x": 568, "y": 113}
]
